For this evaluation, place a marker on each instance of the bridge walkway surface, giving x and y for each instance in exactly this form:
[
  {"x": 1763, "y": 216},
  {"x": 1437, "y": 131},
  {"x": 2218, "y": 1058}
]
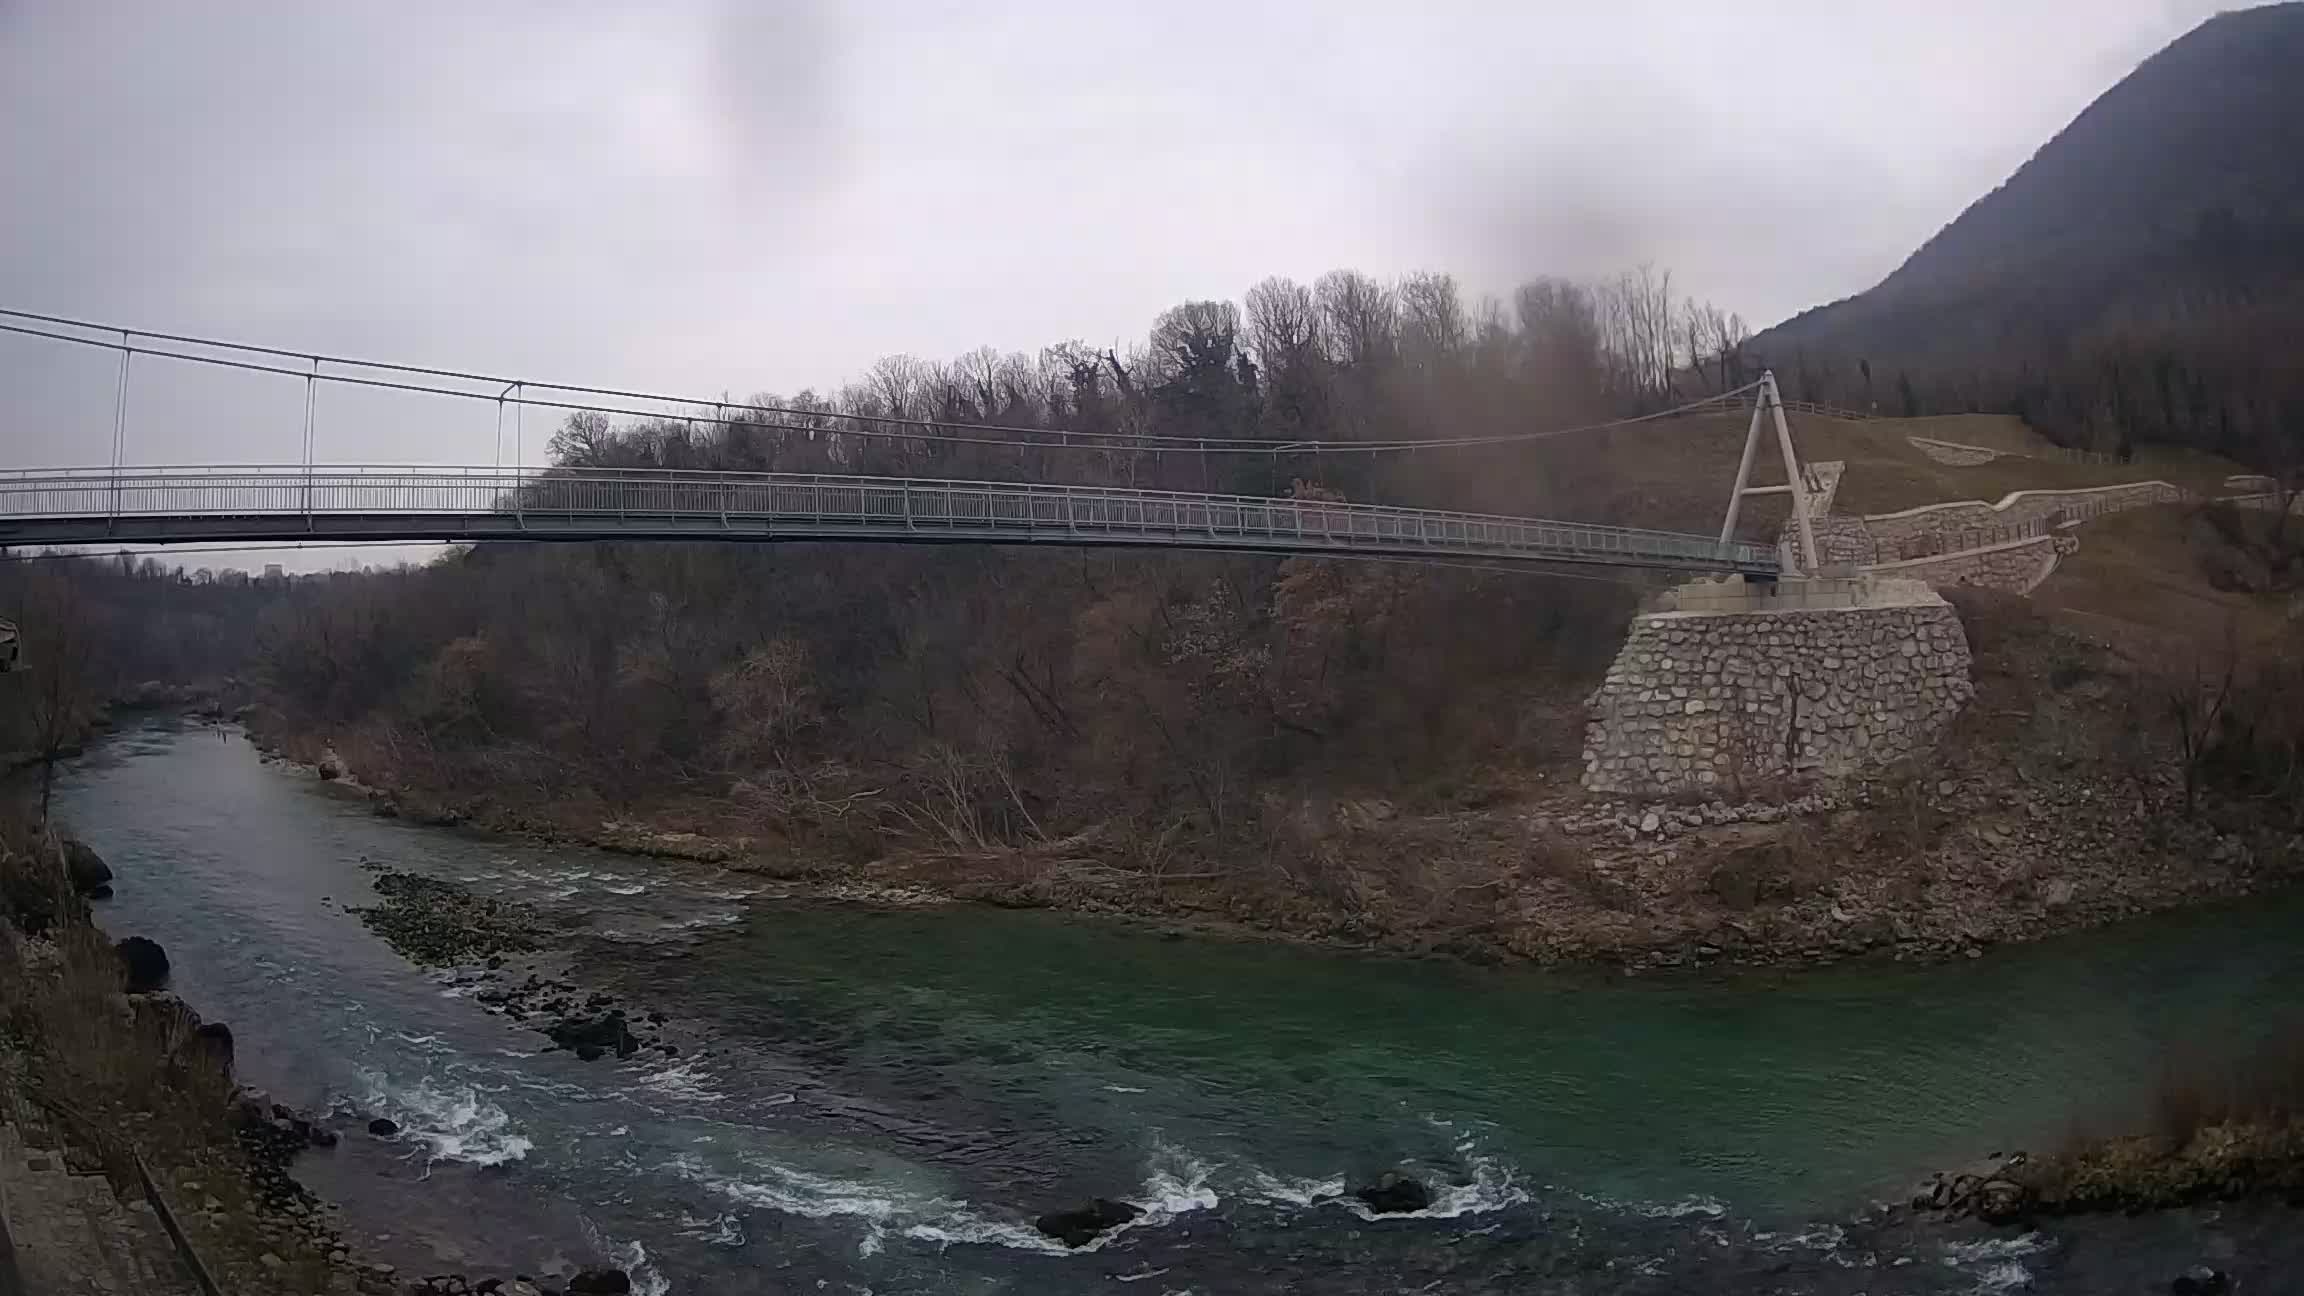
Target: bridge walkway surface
[{"x": 273, "y": 503}]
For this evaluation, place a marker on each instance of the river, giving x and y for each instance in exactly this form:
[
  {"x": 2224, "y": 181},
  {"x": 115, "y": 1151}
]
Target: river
[{"x": 880, "y": 1101}]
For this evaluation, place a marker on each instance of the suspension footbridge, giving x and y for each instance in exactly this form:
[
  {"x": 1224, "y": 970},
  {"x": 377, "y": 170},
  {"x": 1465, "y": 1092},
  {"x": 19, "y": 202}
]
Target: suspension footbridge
[{"x": 122, "y": 503}]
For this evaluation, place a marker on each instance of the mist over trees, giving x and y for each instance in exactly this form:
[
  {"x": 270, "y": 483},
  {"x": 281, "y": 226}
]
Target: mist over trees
[
  {"x": 1159, "y": 712},
  {"x": 1347, "y": 357},
  {"x": 97, "y": 630}
]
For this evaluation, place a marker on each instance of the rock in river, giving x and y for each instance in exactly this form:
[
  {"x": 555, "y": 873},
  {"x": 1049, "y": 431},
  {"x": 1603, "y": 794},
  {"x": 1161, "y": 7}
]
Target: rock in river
[
  {"x": 2201, "y": 1280},
  {"x": 383, "y": 1128},
  {"x": 1394, "y": 1194},
  {"x": 143, "y": 964},
  {"x": 215, "y": 1040},
  {"x": 90, "y": 875},
  {"x": 606, "y": 1033},
  {"x": 2001, "y": 1201},
  {"x": 599, "y": 1282},
  {"x": 1076, "y": 1228}
]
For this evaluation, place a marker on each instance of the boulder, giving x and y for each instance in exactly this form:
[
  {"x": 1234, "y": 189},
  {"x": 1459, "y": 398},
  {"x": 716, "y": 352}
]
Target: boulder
[
  {"x": 255, "y": 1106},
  {"x": 2201, "y": 1280},
  {"x": 296, "y": 1128},
  {"x": 215, "y": 1040},
  {"x": 606, "y": 1033},
  {"x": 143, "y": 964},
  {"x": 383, "y": 1128},
  {"x": 2001, "y": 1201},
  {"x": 163, "y": 1017},
  {"x": 89, "y": 874},
  {"x": 599, "y": 1282},
  {"x": 1075, "y": 1228},
  {"x": 1394, "y": 1194}
]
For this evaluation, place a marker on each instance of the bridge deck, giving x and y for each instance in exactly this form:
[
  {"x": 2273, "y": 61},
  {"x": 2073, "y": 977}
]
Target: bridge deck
[{"x": 270, "y": 503}]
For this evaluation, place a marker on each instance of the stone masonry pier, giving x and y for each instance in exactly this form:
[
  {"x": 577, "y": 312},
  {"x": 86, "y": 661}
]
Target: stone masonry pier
[{"x": 1729, "y": 683}]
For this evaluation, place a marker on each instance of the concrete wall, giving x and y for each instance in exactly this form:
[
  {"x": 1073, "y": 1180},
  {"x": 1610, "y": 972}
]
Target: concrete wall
[
  {"x": 1823, "y": 483},
  {"x": 1953, "y": 453},
  {"x": 1828, "y": 680},
  {"x": 2267, "y": 503}
]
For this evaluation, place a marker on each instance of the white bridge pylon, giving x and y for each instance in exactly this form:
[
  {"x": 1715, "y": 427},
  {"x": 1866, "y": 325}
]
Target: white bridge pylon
[{"x": 1770, "y": 405}]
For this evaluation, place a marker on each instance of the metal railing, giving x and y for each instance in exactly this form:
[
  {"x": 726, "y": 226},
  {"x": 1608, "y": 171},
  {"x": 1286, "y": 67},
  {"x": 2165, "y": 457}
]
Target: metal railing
[{"x": 397, "y": 502}]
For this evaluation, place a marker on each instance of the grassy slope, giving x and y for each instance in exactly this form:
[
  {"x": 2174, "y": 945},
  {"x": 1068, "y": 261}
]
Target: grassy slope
[
  {"x": 2136, "y": 583},
  {"x": 1676, "y": 473}
]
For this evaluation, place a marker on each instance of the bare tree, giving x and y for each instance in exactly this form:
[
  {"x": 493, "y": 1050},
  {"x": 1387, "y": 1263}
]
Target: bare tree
[
  {"x": 1433, "y": 324},
  {"x": 582, "y": 441},
  {"x": 59, "y": 683},
  {"x": 1284, "y": 337},
  {"x": 1560, "y": 334},
  {"x": 1359, "y": 317},
  {"x": 1638, "y": 335},
  {"x": 1283, "y": 324},
  {"x": 2194, "y": 700}
]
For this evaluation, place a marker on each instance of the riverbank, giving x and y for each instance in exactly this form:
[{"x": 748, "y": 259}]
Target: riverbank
[
  {"x": 2052, "y": 806},
  {"x": 891, "y": 1096},
  {"x": 107, "y": 1073},
  {"x": 2220, "y": 1131},
  {"x": 2222, "y": 1160},
  {"x": 108, "y": 1077}
]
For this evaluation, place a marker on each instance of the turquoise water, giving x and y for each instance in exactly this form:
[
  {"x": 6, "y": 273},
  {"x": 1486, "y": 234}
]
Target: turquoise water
[{"x": 883, "y": 1099}]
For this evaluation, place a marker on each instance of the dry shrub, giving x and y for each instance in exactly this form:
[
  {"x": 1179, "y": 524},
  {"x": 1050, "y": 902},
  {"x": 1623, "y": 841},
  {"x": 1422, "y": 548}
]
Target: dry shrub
[
  {"x": 1789, "y": 864},
  {"x": 2215, "y": 1133},
  {"x": 1993, "y": 620},
  {"x": 91, "y": 1053},
  {"x": 2265, "y": 1087},
  {"x": 1552, "y": 857}
]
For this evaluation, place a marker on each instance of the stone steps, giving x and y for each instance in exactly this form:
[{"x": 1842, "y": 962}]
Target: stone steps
[{"x": 72, "y": 1236}]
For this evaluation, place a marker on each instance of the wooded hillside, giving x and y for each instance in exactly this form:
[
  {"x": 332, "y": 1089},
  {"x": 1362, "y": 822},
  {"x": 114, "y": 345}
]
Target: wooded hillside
[{"x": 2140, "y": 279}]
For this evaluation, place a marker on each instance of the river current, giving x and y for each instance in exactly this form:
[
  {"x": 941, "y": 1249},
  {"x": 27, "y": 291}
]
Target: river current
[{"x": 877, "y": 1101}]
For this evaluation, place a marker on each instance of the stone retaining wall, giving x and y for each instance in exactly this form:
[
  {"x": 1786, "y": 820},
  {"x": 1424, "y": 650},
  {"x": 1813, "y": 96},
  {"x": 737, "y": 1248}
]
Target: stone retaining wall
[
  {"x": 1844, "y": 540},
  {"x": 1704, "y": 702},
  {"x": 2016, "y": 567},
  {"x": 1947, "y": 522}
]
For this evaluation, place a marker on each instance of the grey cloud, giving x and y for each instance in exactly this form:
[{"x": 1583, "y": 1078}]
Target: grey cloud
[
  {"x": 774, "y": 73},
  {"x": 720, "y": 195}
]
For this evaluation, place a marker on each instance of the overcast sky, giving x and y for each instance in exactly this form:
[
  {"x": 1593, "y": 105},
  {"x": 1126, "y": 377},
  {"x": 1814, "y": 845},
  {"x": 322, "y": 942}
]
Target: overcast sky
[{"x": 729, "y": 196}]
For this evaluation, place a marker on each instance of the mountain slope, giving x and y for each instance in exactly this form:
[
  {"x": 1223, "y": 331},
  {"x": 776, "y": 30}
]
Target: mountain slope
[{"x": 2172, "y": 206}]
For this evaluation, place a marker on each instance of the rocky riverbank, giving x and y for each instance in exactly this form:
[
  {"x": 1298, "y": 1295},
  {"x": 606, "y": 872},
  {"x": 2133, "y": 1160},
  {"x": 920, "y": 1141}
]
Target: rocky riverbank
[
  {"x": 2050, "y": 806},
  {"x": 126, "y": 1077},
  {"x": 1908, "y": 865},
  {"x": 2222, "y": 1161},
  {"x": 104, "y": 1061}
]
